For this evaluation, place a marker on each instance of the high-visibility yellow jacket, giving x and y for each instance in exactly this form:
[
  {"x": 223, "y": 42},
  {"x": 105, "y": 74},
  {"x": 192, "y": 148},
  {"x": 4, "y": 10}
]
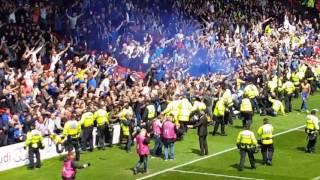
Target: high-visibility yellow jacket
[
  {"x": 101, "y": 116},
  {"x": 172, "y": 109},
  {"x": 227, "y": 98},
  {"x": 277, "y": 106},
  {"x": 288, "y": 87},
  {"x": 295, "y": 78},
  {"x": 87, "y": 119},
  {"x": 246, "y": 105},
  {"x": 123, "y": 116},
  {"x": 199, "y": 106},
  {"x": 312, "y": 124},
  {"x": 251, "y": 91},
  {"x": 72, "y": 128},
  {"x": 246, "y": 139},
  {"x": 219, "y": 108},
  {"x": 34, "y": 139},
  {"x": 151, "y": 112},
  {"x": 265, "y": 132},
  {"x": 184, "y": 110}
]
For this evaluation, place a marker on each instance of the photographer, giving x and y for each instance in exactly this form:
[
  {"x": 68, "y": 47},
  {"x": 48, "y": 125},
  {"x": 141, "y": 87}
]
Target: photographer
[{"x": 70, "y": 167}]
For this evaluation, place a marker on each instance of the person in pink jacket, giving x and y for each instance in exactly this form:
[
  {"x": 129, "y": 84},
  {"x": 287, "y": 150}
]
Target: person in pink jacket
[
  {"x": 142, "y": 141},
  {"x": 70, "y": 167},
  {"x": 156, "y": 131},
  {"x": 168, "y": 136}
]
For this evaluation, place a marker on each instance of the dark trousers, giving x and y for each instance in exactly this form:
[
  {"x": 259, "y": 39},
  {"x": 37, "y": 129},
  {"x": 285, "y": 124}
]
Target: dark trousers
[
  {"x": 143, "y": 160},
  {"x": 287, "y": 102},
  {"x": 73, "y": 144},
  {"x": 31, "y": 153},
  {"x": 243, "y": 153},
  {"x": 312, "y": 140},
  {"x": 183, "y": 126},
  {"x": 267, "y": 153},
  {"x": 203, "y": 145},
  {"x": 228, "y": 117},
  {"x": 129, "y": 143},
  {"x": 271, "y": 112},
  {"x": 255, "y": 104},
  {"x": 219, "y": 121},
  {"x": 247, "y": 118},
  {"x": 101, "y": 130},
  {"x": 157, "y": 149},
  {"x": 87, "y": 138},
  {"x": 68, "y": 178}
]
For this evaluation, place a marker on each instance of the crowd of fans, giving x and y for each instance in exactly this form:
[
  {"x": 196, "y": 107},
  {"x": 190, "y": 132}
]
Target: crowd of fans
[{"x": 59, "y": 56}]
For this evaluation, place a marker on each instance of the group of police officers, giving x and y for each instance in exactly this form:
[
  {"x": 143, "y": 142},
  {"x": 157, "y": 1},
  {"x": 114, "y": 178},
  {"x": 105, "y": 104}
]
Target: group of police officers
[{"x": 78, "y": 134}]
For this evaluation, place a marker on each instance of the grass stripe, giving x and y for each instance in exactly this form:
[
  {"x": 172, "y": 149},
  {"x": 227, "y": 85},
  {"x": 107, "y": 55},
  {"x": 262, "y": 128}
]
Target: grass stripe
[
  {"x": 213, "y": 174},
  {"x": 209, "y": 156}
]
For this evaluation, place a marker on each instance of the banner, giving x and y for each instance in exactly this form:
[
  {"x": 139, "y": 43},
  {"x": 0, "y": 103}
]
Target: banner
[{"x": 15, "y": 155}]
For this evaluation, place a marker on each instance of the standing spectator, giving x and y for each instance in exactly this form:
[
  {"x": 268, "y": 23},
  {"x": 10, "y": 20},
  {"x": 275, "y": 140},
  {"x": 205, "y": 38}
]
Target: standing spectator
[
  {"x": 168, "y": 138},
  {"x": 202, "y": 126},
  {"x": 142, "y": 140}
]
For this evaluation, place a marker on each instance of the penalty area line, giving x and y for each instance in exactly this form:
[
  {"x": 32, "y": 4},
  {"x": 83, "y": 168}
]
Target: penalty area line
[
  {"x": 213, "y": 174},
  {"x": 209, "y": 156}
]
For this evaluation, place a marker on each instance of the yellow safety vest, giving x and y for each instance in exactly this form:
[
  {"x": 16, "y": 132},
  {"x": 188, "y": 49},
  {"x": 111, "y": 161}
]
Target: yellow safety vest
[
  {"x": 227, "y": 97},
  {"x": 265, "y": 132},
  {"x": 295, "y": 79},
  {"x": 289, "y": 87},
  {"x": 151, "y": 112},
  {"x": 185, "y": 109},
  {"x": 199, "y": 106},
  {"x": 72, "y": 129},
  {"x": 87, "y": 119},
  {"x": 125, "y": 129},
  {"x": 246, "y": 105},
  {"x": 219, "y": 109},
  {"x": 34, "y": 139},
  {"x": 101, "y": 116},
  {"x": 246, "y": 139},
  {"x": 312, "y": 124}
]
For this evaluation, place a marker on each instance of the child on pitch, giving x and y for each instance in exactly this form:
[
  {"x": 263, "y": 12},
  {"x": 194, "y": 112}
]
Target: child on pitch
[
  {"x": 70, "y": 167},
  {"x": 142, "y": 141}
]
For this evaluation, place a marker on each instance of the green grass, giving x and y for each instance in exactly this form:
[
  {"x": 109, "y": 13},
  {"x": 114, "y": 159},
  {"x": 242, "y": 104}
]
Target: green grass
[{"x": 290, "y": 162}]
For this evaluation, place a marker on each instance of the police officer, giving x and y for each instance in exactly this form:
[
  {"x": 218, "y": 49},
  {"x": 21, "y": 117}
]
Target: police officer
[
  {"x": 251, "y": 91},
  {"x": 246, "y": 111},
  {"x": 228, "y": 101},
  {"x": 126, "y": 119},
  {"x": 246, "y": 143},
  {"x": 184, "y": 111},
  {"x": 276, "y": 107},
  {"x": 87, "y": 122},
  {"x": 265, "y": 133},
  {"x": 71, "y": 132},
  {"x": 34, "y": 143},
  {"x": 289, "y": 89},
  {"x": 312, "y": 130},
  {"x": 218, "y": 114},
  {"x": 149, "y": 114},
  {"x": 101, "y": 118}
]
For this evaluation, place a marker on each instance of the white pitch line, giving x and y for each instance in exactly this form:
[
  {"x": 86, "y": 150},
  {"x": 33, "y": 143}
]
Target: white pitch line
[
  {"x": 213, "y": 174},
  {"x": 316, "y": 178},
  {"x": 206, "y": 157}
]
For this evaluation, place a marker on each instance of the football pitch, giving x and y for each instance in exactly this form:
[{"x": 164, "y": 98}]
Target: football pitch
[{"x": 289, "y": 162}]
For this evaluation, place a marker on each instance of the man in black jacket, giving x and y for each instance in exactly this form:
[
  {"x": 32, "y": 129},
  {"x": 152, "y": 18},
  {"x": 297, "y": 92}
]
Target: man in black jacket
[{"x": 202, "y": 133}]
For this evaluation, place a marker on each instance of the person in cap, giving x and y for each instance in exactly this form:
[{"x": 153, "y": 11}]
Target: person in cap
[{"x": 312, "y": 130}]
